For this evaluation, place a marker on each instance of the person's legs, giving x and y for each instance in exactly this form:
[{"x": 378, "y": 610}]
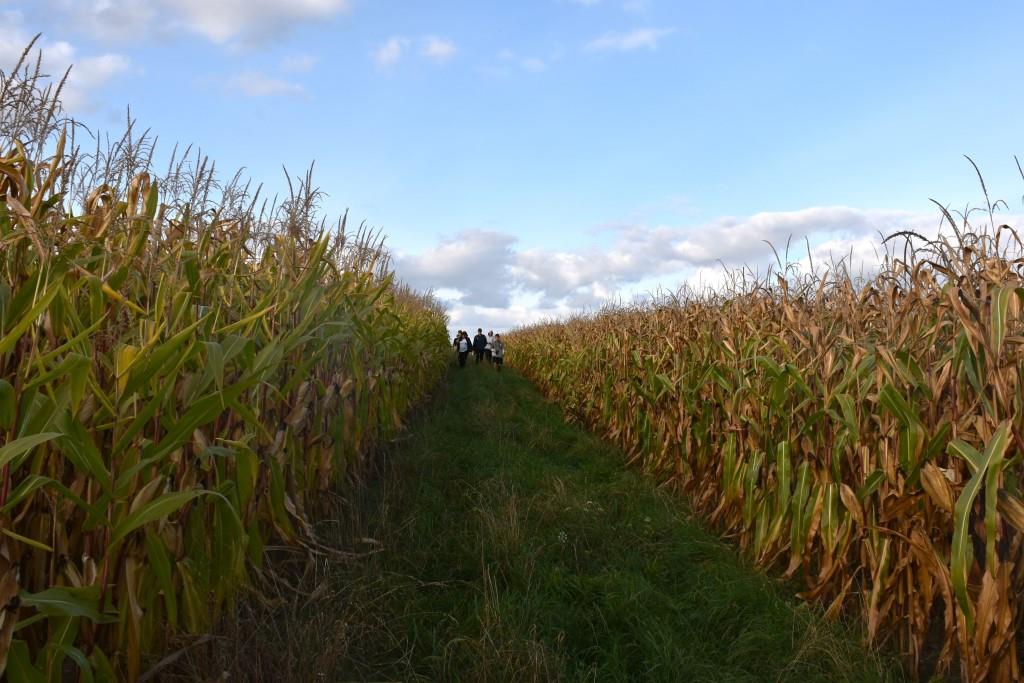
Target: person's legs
[
  {"x": 462, "y": 358},
  {"x": 487, "y": 355},
  {"x": 498, "y": 362}
]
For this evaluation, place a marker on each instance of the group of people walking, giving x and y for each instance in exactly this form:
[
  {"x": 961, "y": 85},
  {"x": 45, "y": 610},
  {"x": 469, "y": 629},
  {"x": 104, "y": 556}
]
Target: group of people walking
[{"x": 487, "y": 347}]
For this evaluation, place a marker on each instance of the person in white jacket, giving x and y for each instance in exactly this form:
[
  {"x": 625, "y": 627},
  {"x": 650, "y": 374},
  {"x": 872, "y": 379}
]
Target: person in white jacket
[
  {"x": 464, "y": 346},
  {"x": 489, "y": 349}
]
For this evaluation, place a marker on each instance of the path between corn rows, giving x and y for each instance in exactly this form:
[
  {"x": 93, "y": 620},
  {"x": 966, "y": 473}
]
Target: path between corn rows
[{"x": 512, "y": 546}]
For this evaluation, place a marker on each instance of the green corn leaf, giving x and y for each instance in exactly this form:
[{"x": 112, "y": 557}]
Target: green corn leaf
[
  {"x": 19, "y": 663},
  {"x": 849, "y": 412},
  {"x": 963, "y": 450},
  {"x": 215, "y": 363},
  {"x": 830, "y": 515},
  {"x": 246, "y": 473},
  {"x": 34, "y": 482},
  {"x": 79, "y": 658},
  {"x": 202, "y": 411},
  {"x": 77, "y": 445},
  {"x": 870, "y": 485},
  {"x": 246, "y": 321},
  {"x": 911, "y": 442},
  {"x": 961, "y": 553},
  {"x": 158, "y": 360},
  {"x": 160, "y": 561},
  {"x": 768, "y": 364},
  {"x": 798, "y": 379},
  {"x": 938, "y": 442},
  {"x": 783, "y": 474},
  {"x": 8, "y": 405},
  {"x": 892, "y": 401},
  {"x": 27, "y": 541},
  {"x": 141, "y": 420},
  {"x": 991, "y": 504},
  {"x": 799, "y": 500},
  {"x": 1000, "y": 302},
  {"x": 20, "y": 446},
  {"x": 162, "y": 506},
  {"x": 67, "y": 366},
  {"x": 5, "y": 289},
  {"x": 194, "y": 607},
  {"x": 101, "y": 665},
  {"x": 33, "y": 315},
  {"x": 65, "y": 601}
]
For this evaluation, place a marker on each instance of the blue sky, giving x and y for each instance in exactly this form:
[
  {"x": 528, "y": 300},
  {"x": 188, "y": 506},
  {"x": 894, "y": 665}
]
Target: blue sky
[{"x": 529, "y": 158}]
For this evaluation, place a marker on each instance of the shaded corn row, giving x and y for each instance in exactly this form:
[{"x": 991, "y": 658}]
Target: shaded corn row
[
  {"x": 866, "y": 439},
  {"x": 175, "y": 390}
]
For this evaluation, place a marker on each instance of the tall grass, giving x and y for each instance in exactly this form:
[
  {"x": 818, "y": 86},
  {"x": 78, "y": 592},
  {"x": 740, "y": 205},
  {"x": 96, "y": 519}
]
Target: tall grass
[
  {"x": 864, "y": 438},
  {"x": 184, "y": 369}
]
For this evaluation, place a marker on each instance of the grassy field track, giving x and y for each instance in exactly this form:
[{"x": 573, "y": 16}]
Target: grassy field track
[{"x": 501, "y": 544}]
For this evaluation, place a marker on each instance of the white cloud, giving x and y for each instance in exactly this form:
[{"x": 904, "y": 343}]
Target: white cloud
[
  {"x": 258, "y": 84},
  {"x": 394, "y": 49},
  {"x": 633, "y": 40},
  {"x": 529, "y": 63},
  {"x": 637, "y": 6},
  {"x": 220, "y": 21},
  {"x": 438, "y": 49},
  {"x": 475, "y": 263},
  {"x": 298, "y": 64},
  {"x": 89, "y": 73},
  {"x": 390, "y": 51},
  {"x": 224, "y": 20},
  {"x": 533, "y": 64},
  {"x": 501, "y": 319},
  {"x": 110, "y": 21},
  {"x": 736, "y": 241}
]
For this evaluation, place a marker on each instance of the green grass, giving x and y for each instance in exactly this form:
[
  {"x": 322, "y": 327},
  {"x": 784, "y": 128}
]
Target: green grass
[{"x": 512, "y": 546}]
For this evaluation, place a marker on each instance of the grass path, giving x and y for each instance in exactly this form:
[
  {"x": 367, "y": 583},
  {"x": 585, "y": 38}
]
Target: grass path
[{"x": 512, "y": 546}]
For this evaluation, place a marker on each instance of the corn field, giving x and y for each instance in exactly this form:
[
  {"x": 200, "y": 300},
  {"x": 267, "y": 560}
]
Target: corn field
[
  {"x": 183, "y": 373},
  {"x": 861, "y": 436}
]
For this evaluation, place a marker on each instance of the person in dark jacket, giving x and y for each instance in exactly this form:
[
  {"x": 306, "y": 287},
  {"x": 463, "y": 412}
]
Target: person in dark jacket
[{"x": 479, "y": 345}]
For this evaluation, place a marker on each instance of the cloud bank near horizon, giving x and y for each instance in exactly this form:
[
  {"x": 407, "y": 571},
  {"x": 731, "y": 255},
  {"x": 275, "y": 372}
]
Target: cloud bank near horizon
[{"x": 485, "y": 278}]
